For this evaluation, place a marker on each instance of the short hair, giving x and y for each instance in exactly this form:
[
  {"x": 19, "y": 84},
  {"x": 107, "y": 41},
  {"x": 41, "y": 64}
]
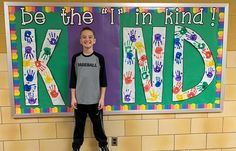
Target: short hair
[{"x": 87, "y": 28}]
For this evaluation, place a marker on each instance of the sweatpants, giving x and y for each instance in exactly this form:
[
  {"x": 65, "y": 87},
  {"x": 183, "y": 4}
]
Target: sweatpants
[{"x": 96, "y": 117}]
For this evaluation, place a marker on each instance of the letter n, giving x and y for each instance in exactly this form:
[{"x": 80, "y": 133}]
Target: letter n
[{"x": 133, "y": 45}]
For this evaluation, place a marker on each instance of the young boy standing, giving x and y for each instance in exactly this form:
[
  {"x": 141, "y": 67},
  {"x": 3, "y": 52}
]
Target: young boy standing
[{"x": 88, "y": 85}]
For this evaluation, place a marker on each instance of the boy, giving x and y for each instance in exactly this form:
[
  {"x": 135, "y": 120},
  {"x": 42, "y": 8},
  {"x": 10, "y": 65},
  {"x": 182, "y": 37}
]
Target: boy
[{"x": 88, "y": 85}]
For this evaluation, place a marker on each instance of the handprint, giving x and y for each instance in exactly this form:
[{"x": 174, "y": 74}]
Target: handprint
[
  {"x": 127, "y": 95},
  {"x": 210, "y": 72},
  {"x": 128, "y": 77},
  {"x": 177, "y": 43},
  {"x": 178, "y": 75},
  {"x": 46, "y": 53},
  {"x": 48, "y": 78},
  {"x": 144, "y": 72},
  {"x": 40, "y": 66},
  {"x": 31, "y": 98},
  {"x": 158, "y": 52},
  {"x": 147, "y": 86},
  {"x": 27, "y": 36},
  {"x": 29, "y": 87},
  {"x": 30, "y": 75},
  {"x": 142, "y": 60},
  {"x": 153, "y": 95},
  {"x": 132, "y": 35},
  {"x": 158, "y": 66},
  {"x": 52, "y": 38},
  {"x": 129, "y": 53},
  {"x": 178, "y": 57},
  {"x": 157, "y": 39},
  {"x": 28, "y": 52},
  {"x": 158, "y": 82},
  {"x": 177, "y": 87},
  {"x": 53, "y": 91}
]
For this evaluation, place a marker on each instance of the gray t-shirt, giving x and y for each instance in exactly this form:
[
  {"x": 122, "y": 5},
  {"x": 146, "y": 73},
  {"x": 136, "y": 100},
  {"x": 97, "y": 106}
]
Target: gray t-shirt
[{"x": 88, "y": 75}]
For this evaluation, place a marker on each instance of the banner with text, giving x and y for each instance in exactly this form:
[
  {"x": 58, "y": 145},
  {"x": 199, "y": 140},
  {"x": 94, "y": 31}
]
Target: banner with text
[{"x": 160, "y": 58}]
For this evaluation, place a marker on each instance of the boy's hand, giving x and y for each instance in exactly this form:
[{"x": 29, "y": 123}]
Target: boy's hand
[
  {"x": 100, "y": 104},
  {"x": 74, "y": 103}
]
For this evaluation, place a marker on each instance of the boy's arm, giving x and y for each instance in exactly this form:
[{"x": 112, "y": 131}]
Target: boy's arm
[
  {"x": 73, "y": 80},
  {"x": 73, "y": 99},
  {"x": 102, "y": 97},
  {"x": 103, "y": 83}
]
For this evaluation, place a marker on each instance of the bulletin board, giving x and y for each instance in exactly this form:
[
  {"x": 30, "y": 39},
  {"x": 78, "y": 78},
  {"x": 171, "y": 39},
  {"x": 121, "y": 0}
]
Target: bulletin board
[{"x": 160, "y": 58}]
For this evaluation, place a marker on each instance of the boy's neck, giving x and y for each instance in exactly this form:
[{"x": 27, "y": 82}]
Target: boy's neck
[{"x": 87, "y": 51}]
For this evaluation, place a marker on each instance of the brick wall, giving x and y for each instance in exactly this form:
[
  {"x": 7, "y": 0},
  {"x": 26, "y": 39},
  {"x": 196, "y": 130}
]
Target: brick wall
[{"x": 182, "y": 132}]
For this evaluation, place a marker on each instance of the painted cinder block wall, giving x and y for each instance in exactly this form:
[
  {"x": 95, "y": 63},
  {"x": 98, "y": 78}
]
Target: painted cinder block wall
[{"x": 165, "y": 132}]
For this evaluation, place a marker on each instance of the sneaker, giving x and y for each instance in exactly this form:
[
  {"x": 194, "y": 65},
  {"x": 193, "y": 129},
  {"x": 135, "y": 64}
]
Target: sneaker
[{"x": 104, "y": 148}]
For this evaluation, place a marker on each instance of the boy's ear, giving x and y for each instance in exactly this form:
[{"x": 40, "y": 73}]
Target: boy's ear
[{"x": 94, "y": 40}]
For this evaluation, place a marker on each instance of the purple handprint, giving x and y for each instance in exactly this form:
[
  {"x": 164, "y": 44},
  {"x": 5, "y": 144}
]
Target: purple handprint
[
  {"x": 31, "y": 98},
  {"x": 178, "y": 75},
  {"x": 210, "y": 72},
  {"x": 158, "y": 66},
  {"x": 192, "y": 36},
  {"x": 28, "y": 52},
  {"x": 52, "y": 38},
  {"x": 127, "y": 96},
  {"x": 157, "y": 39},
  {"x": 132, "y": 35},
  {"x": 30, "y": 75}
]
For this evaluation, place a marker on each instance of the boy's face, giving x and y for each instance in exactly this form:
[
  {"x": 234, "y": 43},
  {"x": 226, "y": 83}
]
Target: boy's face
[{"x": 87, "y": 39}]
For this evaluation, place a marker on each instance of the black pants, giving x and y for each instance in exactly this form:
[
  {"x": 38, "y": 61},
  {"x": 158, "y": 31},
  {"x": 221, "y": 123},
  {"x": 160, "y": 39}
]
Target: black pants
[{"x": 96, "y": 117}]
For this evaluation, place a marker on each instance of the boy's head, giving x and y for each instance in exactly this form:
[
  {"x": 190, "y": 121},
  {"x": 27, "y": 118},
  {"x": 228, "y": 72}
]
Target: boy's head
[{"x": 87, "y": 38}]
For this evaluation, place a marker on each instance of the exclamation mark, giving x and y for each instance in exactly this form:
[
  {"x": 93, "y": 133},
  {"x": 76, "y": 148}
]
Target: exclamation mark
[{"x": 213, "y": 16}]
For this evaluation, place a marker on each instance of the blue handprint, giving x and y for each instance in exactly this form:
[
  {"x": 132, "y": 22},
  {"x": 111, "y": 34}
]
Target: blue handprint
[
  {"x": 158, "y": 82},
  {"x": 177, "y": 43},
  {"x": 129, "y": 53},
  {"x": 30, "y": 75},
  {"x": 27, "y": 36},
  {"x": 178, "y": 57},
  {"x": 29, "y": 87}
]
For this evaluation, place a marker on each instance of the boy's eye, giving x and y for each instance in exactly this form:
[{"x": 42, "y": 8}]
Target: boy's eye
[{"x": 90, "y": 37}]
